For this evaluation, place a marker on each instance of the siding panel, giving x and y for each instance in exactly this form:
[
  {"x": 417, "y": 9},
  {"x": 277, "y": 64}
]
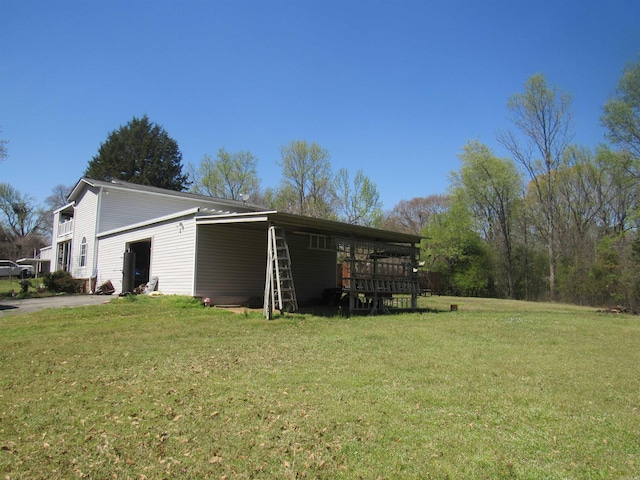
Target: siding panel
[
  {"x": 231, "y": 265},
  {"x": 121, "y": 208},
  {"x": 84, "y": 225},
  {"x": 172, "y": 255}
]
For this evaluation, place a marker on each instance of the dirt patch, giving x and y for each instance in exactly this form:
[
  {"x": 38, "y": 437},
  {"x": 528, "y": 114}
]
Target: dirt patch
[
  {"x": 237, "y": 308},
  {"x": 617, "y": 310}
]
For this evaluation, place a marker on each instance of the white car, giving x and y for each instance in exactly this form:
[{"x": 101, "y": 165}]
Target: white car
[{"x": 12, "y": 269}]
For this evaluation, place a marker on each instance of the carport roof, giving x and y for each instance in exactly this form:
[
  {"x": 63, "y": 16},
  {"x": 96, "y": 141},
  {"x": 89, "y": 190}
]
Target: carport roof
[{"x": 310, "y": 225}]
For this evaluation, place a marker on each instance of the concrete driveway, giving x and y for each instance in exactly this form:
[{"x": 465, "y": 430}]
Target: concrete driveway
[{"x": 28, "y": 305}]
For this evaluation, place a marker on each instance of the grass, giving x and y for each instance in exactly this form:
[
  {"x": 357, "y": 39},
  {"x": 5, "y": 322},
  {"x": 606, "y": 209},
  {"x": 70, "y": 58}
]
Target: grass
[
  {"x": 10, "y": 287},
  {"x": 161, "y": 387}
]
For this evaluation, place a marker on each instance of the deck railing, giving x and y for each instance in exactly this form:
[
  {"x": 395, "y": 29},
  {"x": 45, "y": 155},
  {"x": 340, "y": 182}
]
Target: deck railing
[{"x": 65, "y": 228}]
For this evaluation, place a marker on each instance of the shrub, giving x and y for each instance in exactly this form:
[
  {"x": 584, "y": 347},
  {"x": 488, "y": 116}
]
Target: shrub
[
  {"x": 62, "y": 282},
  {"x": 24, "y": 286}
]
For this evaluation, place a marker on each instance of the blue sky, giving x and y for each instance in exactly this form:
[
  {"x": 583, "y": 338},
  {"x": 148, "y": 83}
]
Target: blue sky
[{"x": 395, "y": 88}]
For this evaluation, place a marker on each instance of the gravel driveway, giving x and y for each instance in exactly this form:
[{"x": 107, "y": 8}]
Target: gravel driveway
[{"x": 27, "y": 305}]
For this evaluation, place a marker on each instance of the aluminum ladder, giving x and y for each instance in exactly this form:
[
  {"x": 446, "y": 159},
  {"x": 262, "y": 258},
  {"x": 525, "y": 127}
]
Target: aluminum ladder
[{"x": 279, "y": 292}]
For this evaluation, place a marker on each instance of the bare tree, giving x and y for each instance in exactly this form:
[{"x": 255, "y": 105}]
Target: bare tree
[
  {"x": 306, "y": 186},
  {"x": 413, "y": 215},
  {"x": 22, "y": 221},
  {"x": 491, "y": 187},
  {"x": 229, "y": 175},
  {"x": 621, "y": 114},
  {"x": 542, "y": 116},
  {"x": 3, "y": 148},
  {"x": 59, "y": 196},
  {"x": 359, "y": 202}
]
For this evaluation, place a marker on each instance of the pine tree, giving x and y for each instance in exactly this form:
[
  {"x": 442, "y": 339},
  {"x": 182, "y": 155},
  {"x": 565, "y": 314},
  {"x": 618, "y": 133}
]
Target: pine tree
[{"x": 140, "y": 152}]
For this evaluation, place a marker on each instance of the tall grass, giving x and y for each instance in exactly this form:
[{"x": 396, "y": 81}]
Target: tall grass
[{"x": 161, "y": 387}]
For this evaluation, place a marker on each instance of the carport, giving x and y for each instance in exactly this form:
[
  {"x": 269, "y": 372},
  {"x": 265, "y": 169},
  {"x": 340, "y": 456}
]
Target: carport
[{"x": 232, "y": 252}]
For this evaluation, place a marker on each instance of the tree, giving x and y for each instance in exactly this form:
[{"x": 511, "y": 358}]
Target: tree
[
  {"x": 580, "y": 190},
  {"x": 621, "y": 115},
  {"x": 22, "y": 222},
  {"x": 615, "y": 275},
  {"x": 306, "y": 186},
  {"x": 358, "y": 203},
  {"x": 455, "y": 250},
  {"x": 413, "y": 215},
  {"x": 491, "y": 188},
  {"x": 58, "y": 197},
  {"x": 3, "y": 148},
  {"x": 140, "y": 152},
  {"x": 618, "y": 195},
  {"x": 229, "y": 175},
  {"x": 542, "y": 115}
]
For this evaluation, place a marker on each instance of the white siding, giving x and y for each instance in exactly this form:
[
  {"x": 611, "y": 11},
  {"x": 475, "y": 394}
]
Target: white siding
[
  {"x": 54, "y": 243},
  {"x": 231, "y": 265},
  {"x": 45, "y": 254},
  {"x": 84, "y": 225},
  {"x": 120, "y": 207},
  {"x": 172, "y": 255}
]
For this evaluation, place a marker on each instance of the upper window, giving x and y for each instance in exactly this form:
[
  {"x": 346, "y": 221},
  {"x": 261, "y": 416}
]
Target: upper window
[{"x": 83, "y": 252}]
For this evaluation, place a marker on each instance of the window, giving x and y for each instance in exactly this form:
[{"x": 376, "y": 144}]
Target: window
[{"x": 83, "y": 252}]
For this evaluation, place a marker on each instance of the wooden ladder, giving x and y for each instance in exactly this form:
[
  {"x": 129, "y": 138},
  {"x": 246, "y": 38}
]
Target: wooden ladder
[{"x": 279, "y": 291}]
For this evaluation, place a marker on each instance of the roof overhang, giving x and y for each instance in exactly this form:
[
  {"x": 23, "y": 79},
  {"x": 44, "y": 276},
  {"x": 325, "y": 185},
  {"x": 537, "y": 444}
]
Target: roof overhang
[
  {"x": 68, "y": 208},
  {"x": 309, "y": 225}
]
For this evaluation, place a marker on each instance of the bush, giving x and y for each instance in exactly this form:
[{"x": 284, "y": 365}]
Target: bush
[
  {"x": 62, "y": 282},
  {"x": 24, "y": 286}
]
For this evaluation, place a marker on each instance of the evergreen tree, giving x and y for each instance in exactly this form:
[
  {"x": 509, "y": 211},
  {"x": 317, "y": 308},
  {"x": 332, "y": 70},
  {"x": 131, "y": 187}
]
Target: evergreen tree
[{"x": 140, "y": 152}]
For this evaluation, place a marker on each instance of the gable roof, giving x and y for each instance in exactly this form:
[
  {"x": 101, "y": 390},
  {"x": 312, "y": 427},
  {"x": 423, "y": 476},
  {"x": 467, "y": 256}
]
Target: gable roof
[{"x": 122, "y": 185}]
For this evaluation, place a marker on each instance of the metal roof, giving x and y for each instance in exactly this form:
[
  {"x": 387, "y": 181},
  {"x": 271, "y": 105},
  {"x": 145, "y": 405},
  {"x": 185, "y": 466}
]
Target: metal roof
[
  {"x": 311, "y": 225},
  {"x": 122, "y": 185},
  {"x": 246, "y": 212}
]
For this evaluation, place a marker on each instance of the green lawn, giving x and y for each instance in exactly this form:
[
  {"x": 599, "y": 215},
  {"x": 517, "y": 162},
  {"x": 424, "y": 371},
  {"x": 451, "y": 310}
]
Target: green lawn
[
  {"x": 163, "y": 388},
  {"x": 10, "y": 287}
]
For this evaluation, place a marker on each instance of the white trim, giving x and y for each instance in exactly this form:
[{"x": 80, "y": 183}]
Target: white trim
[
  {"x": 96, "y": 226},
  {"x": 214, "y": 221},
  {"x": 65, "y": 207}
]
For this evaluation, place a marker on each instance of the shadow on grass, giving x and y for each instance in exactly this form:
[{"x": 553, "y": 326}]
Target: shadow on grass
[{"x": 333, "y": 311}]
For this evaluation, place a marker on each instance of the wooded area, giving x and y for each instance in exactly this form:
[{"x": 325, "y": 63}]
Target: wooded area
[{"x": 556, "y": 221}]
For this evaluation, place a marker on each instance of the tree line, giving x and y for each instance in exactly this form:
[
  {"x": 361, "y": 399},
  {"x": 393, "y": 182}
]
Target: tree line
[{"x": 552, "y": 220}]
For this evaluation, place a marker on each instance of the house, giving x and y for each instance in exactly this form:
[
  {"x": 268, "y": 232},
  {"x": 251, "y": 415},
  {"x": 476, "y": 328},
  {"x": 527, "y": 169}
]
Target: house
[{"x": 188, "y": 244}]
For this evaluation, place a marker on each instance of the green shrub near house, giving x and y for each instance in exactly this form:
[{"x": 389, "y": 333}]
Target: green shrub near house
[{"x": 62, "y": 282}]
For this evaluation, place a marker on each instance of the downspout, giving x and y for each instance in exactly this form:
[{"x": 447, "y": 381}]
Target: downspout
[{"x": 194, "y": 278}]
